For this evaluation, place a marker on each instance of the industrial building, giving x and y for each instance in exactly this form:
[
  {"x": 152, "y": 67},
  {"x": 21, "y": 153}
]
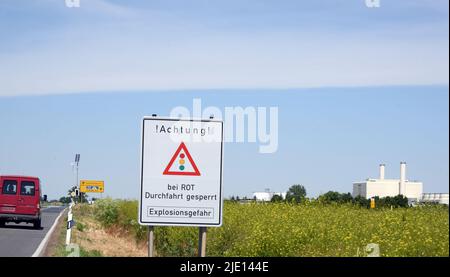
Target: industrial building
[
  {"x": 436, "y": 198},
  {"x": 383, "y": 187},
  {"x": 267, "y": 195}
]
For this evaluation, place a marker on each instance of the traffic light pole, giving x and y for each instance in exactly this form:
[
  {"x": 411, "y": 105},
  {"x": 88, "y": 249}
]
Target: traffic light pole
[
  {"x": 77, "y": 161},
  {"x": 78, "y": 186}
]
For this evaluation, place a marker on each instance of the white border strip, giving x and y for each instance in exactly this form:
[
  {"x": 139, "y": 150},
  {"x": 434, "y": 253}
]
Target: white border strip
[{"x": 44, "y": 242}]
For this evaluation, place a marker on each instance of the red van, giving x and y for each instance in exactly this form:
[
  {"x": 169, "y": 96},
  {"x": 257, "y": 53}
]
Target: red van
[{"x": 20, "y": 200}]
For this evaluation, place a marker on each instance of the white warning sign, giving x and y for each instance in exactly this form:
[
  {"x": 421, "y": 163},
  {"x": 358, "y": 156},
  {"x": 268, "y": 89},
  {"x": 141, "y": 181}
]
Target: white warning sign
[{"x": 181, "y": 172}]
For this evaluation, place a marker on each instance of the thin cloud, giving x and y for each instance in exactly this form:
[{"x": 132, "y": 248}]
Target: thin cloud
[{"x": 152, "y": 49}]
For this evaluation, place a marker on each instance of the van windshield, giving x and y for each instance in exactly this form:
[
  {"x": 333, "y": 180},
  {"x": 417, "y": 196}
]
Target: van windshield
[
  {"x": 9, "y": 187},
  {"x": 27, "y": 188}
]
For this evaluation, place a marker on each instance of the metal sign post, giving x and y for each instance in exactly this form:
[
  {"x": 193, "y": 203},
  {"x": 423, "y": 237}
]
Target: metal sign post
[
  {"x": 150, "y": 241},
  {"x": 202, "y": 241}
]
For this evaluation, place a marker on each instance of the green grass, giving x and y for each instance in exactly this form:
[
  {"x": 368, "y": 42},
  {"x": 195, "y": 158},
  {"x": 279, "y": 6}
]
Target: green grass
[
  {"x": 90, "y": 253},
  {"x": 60, "y": 248},
  {"x": 311, "y": 229},
  {"x": 63, "y": 251},
  {"x": 80, "y": 226},
  {"x": 67, "y": 252}
]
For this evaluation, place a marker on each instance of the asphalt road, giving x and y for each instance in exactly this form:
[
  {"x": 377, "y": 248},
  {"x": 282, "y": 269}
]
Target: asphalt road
[{"x": 21, "y": 240}]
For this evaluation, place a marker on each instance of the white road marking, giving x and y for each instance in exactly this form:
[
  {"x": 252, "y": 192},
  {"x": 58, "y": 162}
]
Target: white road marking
[{"x": 44, "y": 242}]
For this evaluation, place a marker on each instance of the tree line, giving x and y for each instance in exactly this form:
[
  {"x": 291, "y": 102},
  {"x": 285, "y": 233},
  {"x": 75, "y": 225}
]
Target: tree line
[{"x": 297, "y": 194}]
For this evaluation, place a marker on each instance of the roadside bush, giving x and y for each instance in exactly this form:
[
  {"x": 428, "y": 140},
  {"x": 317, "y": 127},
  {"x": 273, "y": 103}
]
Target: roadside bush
[
  {"x": 128, "y": 218},
  {"x": 80, "y": 226},
  {"x": 120, "y": 213},
  {"x": 106, "y": 211},
  {"x": 84, "y": 210},
  {"x": 176, "y": 241}
]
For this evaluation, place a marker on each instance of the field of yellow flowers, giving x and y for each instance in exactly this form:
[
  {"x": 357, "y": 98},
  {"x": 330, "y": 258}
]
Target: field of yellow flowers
[{"x": 311, "y": 229}]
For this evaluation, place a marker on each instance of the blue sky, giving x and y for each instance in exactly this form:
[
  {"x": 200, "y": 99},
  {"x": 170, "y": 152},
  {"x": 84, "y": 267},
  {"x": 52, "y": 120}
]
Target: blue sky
[
  {"x": 198, "y": 44},
  {"x": 355, "y": 87},
  {"x": 328, "y": 138}
]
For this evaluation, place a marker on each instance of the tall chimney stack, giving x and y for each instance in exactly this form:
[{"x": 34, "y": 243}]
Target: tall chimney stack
[
  {"x": 402, "y": 185},
  {"x": 382, "y": 166}
]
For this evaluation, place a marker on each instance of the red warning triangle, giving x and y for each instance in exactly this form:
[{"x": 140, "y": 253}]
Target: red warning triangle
[{"x": 181, "y": 167}]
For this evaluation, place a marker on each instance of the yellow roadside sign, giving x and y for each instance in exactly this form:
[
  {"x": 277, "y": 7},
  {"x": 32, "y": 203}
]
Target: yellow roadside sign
[
  {"x": 372, "y": 203},
  {"x": 92, "y": 186}
]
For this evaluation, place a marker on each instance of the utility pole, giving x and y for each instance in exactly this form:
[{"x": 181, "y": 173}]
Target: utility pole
[{"x": 77, "y": 161}]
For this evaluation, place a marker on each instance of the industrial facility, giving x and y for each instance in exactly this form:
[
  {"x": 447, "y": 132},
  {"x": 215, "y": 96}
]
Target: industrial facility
[
  {"x": 383, "y": 187},
  {"x": 267, "y": 195},
  {"x": 436, "y": 198}
]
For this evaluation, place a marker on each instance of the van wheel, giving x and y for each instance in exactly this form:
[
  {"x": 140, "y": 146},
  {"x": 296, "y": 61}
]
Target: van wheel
[
  {"x": 37, "y": 224},
  {"x": 2, "y": 223}
]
